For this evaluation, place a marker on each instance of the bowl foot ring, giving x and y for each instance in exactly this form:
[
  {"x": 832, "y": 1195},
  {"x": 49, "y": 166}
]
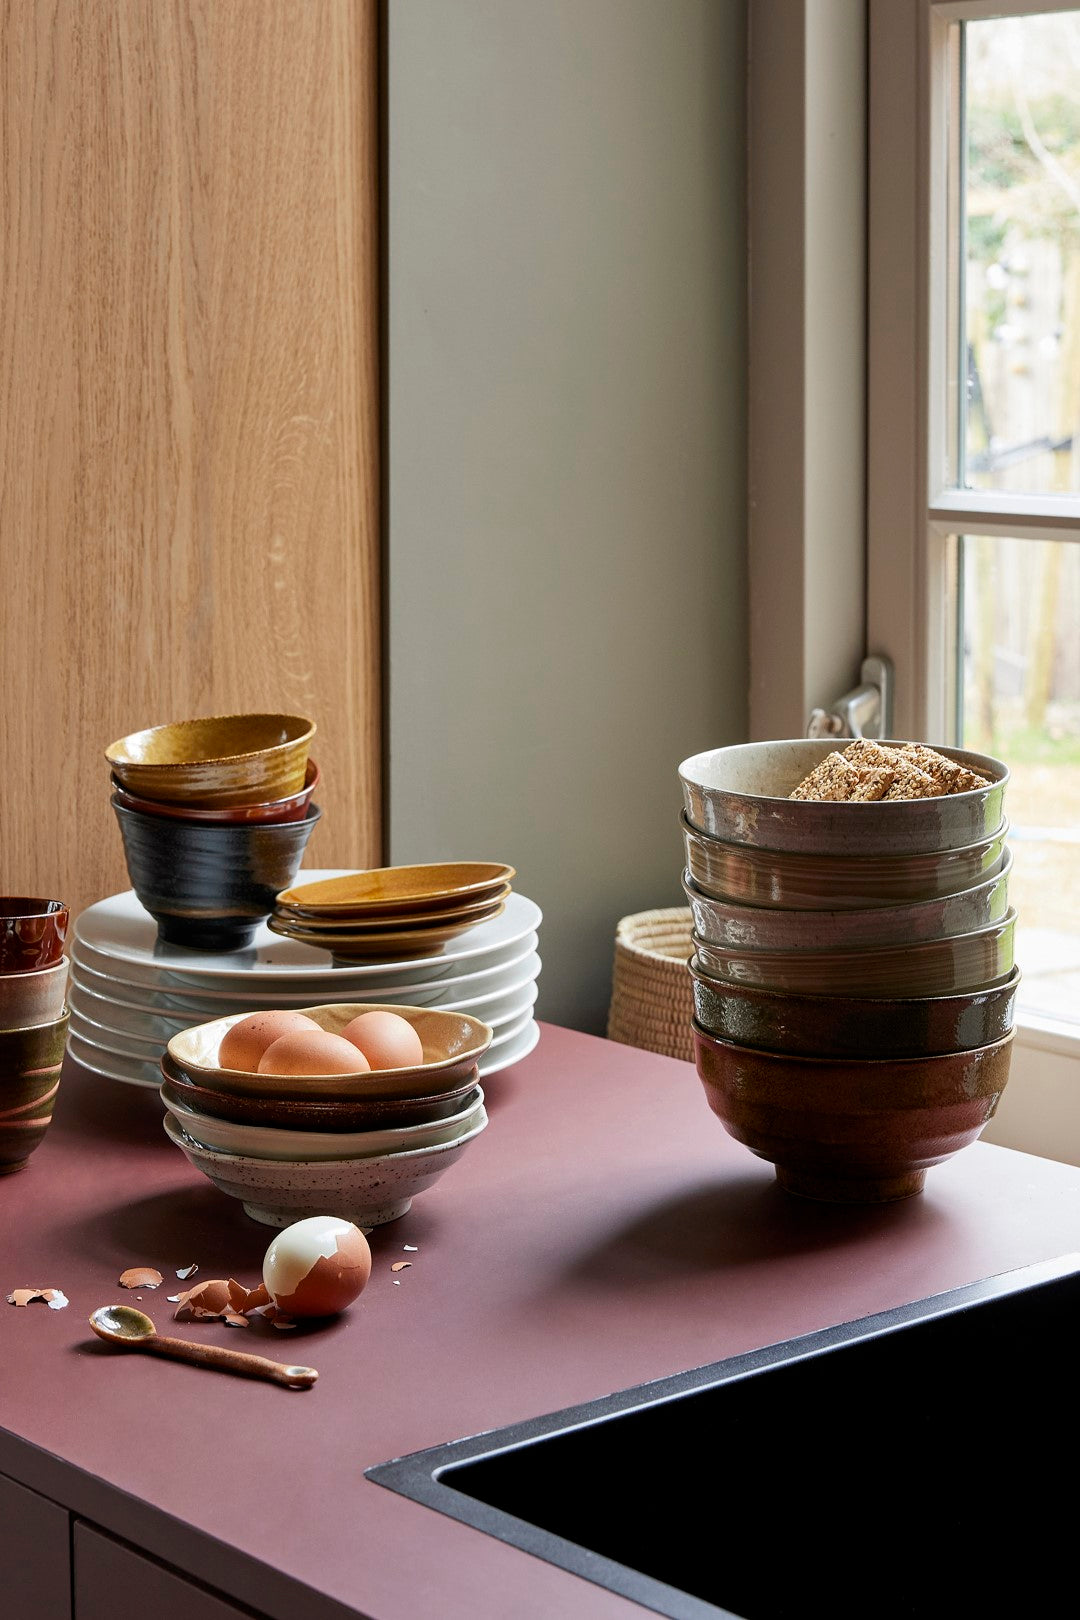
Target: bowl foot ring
[
  {"x": 377, "y": 1215},
  {"x": 850, "y": 1189}
]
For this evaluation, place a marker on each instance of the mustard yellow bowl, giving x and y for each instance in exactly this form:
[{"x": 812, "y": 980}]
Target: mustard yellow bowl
[{"x": 221, "y": 760}]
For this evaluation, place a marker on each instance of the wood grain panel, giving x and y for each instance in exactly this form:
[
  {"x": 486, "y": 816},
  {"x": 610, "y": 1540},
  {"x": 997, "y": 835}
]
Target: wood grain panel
[{"x": 188, "y": 403}]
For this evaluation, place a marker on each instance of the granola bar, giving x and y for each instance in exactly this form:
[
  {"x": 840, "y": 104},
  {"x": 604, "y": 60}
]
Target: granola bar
[{"x": 867, "y": 771}]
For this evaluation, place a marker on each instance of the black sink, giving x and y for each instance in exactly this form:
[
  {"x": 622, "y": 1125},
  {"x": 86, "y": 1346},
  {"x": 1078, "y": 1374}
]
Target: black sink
[{"x": 917, "y": 1462}]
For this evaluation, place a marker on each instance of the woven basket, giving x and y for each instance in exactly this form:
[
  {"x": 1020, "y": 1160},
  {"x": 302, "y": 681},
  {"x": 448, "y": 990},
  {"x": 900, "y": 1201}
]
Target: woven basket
[{"x": 652, "y": 1001}]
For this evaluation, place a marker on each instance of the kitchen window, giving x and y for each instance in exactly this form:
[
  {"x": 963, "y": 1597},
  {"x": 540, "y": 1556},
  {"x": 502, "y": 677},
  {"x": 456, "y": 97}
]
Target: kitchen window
[{"x": 965, "y": 198}]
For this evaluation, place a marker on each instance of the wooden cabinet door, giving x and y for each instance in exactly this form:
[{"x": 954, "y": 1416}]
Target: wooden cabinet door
[
  {"x": 35, "y": 1564},
  {"x": 188, "y": 404},
  {"x": 112, "y": 1579}
]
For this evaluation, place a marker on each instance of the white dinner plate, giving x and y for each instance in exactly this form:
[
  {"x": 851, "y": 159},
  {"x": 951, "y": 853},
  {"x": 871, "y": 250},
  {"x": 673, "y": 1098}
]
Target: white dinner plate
[
  {"x": 458, "y": 992},
  {"x": 110, "y": 1065},
  {"x": 120, "y": 931},
  {"x": 148, "y": 1044},
  {"x": 511, "y": 1051},
  {"x": 115, "y": 1042}
]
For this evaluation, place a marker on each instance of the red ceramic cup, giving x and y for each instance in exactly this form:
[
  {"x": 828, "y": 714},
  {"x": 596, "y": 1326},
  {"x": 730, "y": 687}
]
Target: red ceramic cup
[{"x": 32, "y": 932}]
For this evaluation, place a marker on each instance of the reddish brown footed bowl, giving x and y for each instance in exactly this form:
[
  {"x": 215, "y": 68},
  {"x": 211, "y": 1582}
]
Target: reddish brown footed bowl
[
  {"x": 853, "y": 1026},
  {"x": 850, "y": 1131},
  {"x": 32, "y": 932},
  {"x": 30, "y": 1062}
]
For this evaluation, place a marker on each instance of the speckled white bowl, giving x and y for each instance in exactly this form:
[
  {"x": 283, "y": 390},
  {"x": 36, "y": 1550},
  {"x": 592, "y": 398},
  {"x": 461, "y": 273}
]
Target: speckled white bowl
[{"x": 369, "y": 1191}]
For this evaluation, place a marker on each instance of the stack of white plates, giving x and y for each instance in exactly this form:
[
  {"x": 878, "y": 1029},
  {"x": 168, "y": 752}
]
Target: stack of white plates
[{"x": 129, "y": 993}]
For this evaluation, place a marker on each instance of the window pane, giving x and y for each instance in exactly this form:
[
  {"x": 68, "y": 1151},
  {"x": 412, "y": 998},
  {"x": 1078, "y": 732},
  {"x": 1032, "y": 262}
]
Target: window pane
[
  {"x": 1020, "y": 606},
  {"x": 1022, "y": 253}
]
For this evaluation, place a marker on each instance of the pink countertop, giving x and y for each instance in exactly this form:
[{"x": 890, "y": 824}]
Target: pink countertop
[{"x": 603, "y": 1231}]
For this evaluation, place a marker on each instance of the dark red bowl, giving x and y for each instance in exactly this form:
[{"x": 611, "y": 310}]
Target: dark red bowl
[
  {"x": 32, "y": 932},
  {"x": 293, "y": 808}
]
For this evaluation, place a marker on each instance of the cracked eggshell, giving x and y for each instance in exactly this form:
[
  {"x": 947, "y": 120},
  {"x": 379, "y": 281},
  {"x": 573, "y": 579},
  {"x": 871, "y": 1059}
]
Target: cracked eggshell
[{"x": 317, "y": 1267}]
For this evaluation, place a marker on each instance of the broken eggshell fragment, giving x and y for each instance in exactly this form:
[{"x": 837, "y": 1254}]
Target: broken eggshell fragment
[{"x": 140, "y": 1277}]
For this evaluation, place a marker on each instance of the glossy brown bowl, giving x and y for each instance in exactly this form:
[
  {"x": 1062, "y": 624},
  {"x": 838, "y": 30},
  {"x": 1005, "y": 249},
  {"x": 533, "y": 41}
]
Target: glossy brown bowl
[
  {"x": 935, "y": 967},
  {"x": 726, "y": 923},
  {"x": 292, "y": 808},
  {"x": 851, "y": 1131},
  {"x": 33, "y": 998},
  {"x": 315, "y": 1113},
  {"x": 453, "y": 1044},
  {"x": 853, "y": 1026},
  {"x": 32, "y": 932},
  {"x": 811, "y": 882},
  {"x": 30, "y": 1063},
  {"x": 219, "y": 760},
  {"x": 741, "y": 794}
]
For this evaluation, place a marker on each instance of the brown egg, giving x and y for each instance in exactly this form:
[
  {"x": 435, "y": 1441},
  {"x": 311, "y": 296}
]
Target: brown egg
[
  {"x": 244, "y": 1042},
  {"x": 387, "y": 1040},
  {"x": 317, "y": 1266},
  {"x": 312, "y": 1051}
]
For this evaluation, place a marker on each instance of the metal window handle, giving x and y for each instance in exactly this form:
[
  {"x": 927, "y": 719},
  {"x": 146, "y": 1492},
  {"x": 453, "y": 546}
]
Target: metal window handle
[{"x": 865, "y": 711}]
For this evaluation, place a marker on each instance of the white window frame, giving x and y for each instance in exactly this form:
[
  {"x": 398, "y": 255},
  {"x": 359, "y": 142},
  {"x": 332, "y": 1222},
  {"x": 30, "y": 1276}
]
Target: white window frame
[{"x": 849, "y": 516}]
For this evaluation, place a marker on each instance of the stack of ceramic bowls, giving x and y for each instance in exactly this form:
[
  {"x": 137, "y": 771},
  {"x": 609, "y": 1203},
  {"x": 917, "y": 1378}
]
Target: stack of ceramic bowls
[
  {"x": 130, "y": 993},
  {"x": 364, "y": 1145},
  {"x": 33, "y": 1021},
  {"x": 844, "y": 944},
  {"x": 215, "y": 816},
  {"x": 393, "y": 912}
]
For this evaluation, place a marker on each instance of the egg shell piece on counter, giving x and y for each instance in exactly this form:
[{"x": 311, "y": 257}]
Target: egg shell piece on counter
[{"x": 317, "y": 1266}]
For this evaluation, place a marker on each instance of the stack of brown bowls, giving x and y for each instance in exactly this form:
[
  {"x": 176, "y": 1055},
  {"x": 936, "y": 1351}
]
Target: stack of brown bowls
[
  {"x": 362, "y": 1144},
  {"x": 393, "y": 913},
  {"x": 215, "y": 815},
  {"x": 853, "y": 966},
  {"x": 33, "y": 1021}
]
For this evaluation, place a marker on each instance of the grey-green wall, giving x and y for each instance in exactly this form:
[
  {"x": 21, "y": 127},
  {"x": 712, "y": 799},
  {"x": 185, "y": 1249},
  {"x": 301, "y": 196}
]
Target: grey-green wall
[{"x": 565, "y": 457}]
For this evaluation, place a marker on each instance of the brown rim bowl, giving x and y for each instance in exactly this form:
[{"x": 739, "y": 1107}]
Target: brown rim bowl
[
  {"x": 844, "y": 1130},
  {"x": 453, "y": 1045},
  {"x": 934, "y": 967},
  {"x": 292, "y": 808},
  {"x": 741, "y": 794},
  {"x": 727, "y": 924},
  {"x": 811, "y": 882},
  {"x": 216, "y": 761},
  {"x": 314, "y": 1113},
  {"x": 853, "y": 1026}
]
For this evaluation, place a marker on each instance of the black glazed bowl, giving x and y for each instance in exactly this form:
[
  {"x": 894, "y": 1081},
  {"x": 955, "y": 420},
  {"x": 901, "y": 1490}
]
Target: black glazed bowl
[
  {"x": 209, "y": 885},
  {"x": 853, "y": 1026}
]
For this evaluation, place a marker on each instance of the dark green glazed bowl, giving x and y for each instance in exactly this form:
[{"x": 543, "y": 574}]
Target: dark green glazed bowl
[{"x": 30, "y": 1061}]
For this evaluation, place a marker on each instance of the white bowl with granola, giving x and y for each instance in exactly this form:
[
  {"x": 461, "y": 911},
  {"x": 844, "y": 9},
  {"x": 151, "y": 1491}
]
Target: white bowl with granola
[{"x": 860, "y": 797}]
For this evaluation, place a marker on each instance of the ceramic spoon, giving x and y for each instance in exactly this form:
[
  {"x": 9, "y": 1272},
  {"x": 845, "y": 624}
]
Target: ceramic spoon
[{"x": 123, "y": 1324}]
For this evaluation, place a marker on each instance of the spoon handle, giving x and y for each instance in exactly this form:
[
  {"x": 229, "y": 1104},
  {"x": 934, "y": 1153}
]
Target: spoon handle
[{"x": 235, "y": 1361}]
